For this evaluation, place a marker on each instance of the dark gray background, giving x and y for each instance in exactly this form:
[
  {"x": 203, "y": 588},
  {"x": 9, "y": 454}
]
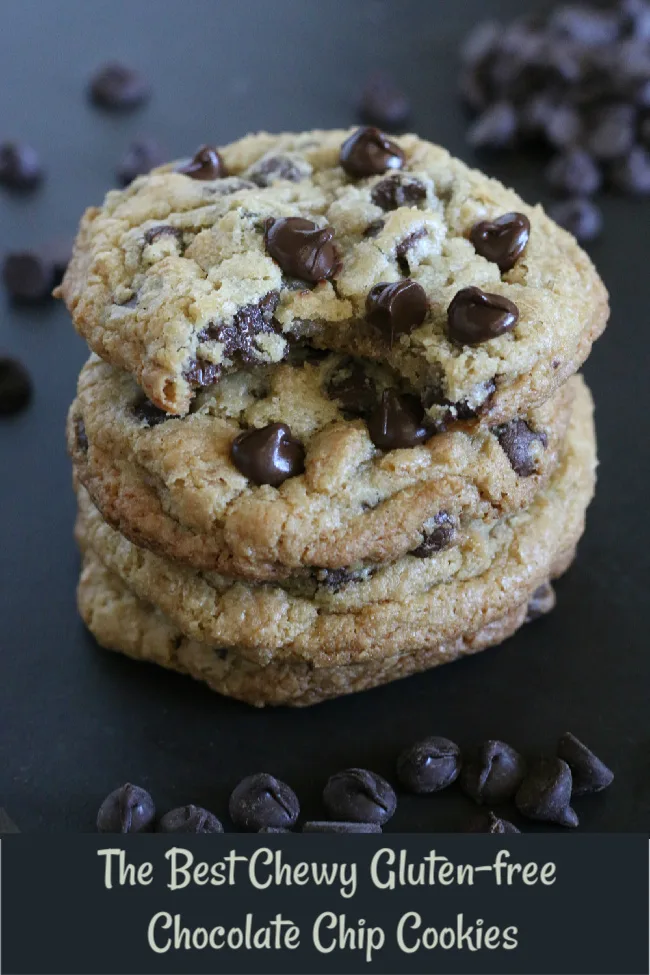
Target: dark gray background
[{"x": 75, "y": 721}]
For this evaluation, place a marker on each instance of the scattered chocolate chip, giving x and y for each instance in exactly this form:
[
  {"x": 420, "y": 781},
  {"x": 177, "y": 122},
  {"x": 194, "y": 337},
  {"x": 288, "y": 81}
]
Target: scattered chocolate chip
[
  {"x": 492, "y": 824},
  {"x": 545, "y": 793},
  {"x": 189, "y": 819},
  {"x": 118, "y": 86},
  {"x": 541, "y": 602},
  {"x": 383, "y": 103},
  {"x": 28, "y": 276},
  {"x": 269, "y": 455},
  {"x": 492, "y": 773},
  {"x": 128, "y": 809},
  {"x": 271, "y": 168},
  {"x": 302, "y": 248},
  {"x": 359, "y": 796},
  {"x": 429, "y": 765},
  {"x": 20, "y": 166},
  {"x": 474, "y": 316},
  {"x": 80, "y": 436},
  {"x": 142, "y": 155},
  {"x": 503, "y": 240},
  {"x": 15, "y": 386},
  {"x": 368, "y": 152},
  {"x": 579, "y": 216},
  {"x": 405, "y": 245},
  {"x": 326, "y": 826},
  {"x": 612, "y": 132},
  {"x": 398, "y": 421},
  {"x": 495, "y": 128},
  {"x": 352, "y": 388},
  {"x": 520, "y": 445},
  {"x": 588, "y": 772},
  {"x": 200, "y": 373},
  {"x": 148, "y": 413},
  {"x": 205, "y": 164},
  {"x": 162, "y": 230},
  {"x": 262, "y": 800},
  {"x": 632, "y": 174},
  {"x": 574, "y": 172},
  {"x": 437, "y": 538},
  {"x": 398, "y": 190},
  {"x": 396, "y": 308},
  {"x": 239, "y": 338}
]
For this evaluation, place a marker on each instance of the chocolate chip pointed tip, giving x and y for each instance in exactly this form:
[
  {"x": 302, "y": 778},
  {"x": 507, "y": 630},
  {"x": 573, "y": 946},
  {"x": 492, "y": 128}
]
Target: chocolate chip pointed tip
[
  {"x": 261, "y": 800},
  {"x": 369, "y": 152},
  {"x": 205, "y": 164},
  {"x": 545, "y": 793},
  {"x": 503, "y": 240},
  {"x": 475, "y": 316},
  {"x": 589, "y": 773},
  {"x": 398, "y": 421},
  {"x": 128, "y": 809},
  {"x": 492, "y": 772},
  {"x": 302, "y": 248},
  {"x": 492, "y": 824},
  {"x": 396, "y": 308},
  {"x": 429, "y": 765},
  {"x": 358, "y": 795}
]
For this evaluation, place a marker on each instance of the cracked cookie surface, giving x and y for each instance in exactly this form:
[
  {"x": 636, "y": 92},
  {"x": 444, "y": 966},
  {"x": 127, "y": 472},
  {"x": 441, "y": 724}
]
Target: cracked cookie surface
[{"x": 180, "y": 280}]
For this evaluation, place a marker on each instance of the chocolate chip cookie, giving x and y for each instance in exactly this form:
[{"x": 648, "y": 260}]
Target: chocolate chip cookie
[
  {"x": 347, "y": 240},
  {"x": 412, "y": 605},
  {"x": 319, "y": 466}
]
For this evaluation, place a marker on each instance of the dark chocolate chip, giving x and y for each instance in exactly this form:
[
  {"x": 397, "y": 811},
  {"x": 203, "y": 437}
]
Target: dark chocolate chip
[
  {"x": 492, "y": 773},
  {"x": 262, "y": 800},
  {"x": 588, "y": 772},
  {"x": 28, "y": 276},
  {"x": 359, "y": 796},
  {"x": 118, "y": 86},
  {"x": 612, "y": 132},
  {"x": 545, "y": 793},
  {"x": 205, "y": 164},
  {"x": 503, "y": 240},
  {"x": 20, "y": 167},
  {"x": 200, "y": 373},
  {"x": 15, "y": 386},
  {"x": 302, "y": 248},
  {"x": 495, "y": 128},
  {"x": 162, "y": 230},
  {"x": 429, "y": 765},
  {"x": 383, "y": 103},
  {"x": 80, "y": 436},
  {"x": 142, "y": 155},
  {"x": 148, "y": 413},
  {"x": 238, "y": 338},
  {"x": 632, "y": 174},
  {"x": 520, "y": 445},
  {"x": 327, "y": 826},
  {"x": 405, "y": 245},
  {"x": 396, "y": 308},
  {"x": 474, "y": 316},
  {"x": 189, "y": 819},
  {"x": 437, "y": 538},
  {"x": 574, "y": 172},
  {"x": 563, "y": 126},
  {"x": 352, "y": 388},
  {"x": 579, "y": 216},
  {"x": 267, "y": 171},
  {"x": 398, "y": 190},
  {"x": 541, "y": 602},
  {"x": 368, "y": 152},
  {"x": 398, "y": 421},
  {"x": 492, "y": 824},
  {"x": 269, "y": 455},
  {"x": 128, "y": 809}
]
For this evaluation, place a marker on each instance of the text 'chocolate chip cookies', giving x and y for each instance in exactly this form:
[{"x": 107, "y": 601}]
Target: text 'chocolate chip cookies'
[{"x": 331, "y": 434}]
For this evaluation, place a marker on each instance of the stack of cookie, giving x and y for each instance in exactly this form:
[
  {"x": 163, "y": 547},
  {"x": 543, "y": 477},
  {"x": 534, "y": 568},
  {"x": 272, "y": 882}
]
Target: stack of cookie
[{"x": 331, "y": 432}]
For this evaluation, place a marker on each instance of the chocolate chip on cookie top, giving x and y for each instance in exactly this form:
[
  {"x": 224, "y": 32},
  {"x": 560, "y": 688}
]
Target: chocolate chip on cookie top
[
  {"x": 474, "y": 316},
  {"x": 269, "y": 455},
  {"x": 503, "y": 240},
  {"x": 302, "y": 248},
  {"x": 398, "y": 421},
  {"x": 205, "y": 164},
  {"x": 368, "y": 152},
  {"x": 397, "y": 308}
]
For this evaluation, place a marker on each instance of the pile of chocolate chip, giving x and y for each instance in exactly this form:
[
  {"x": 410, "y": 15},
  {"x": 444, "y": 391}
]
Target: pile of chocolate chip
[
  {"x": 576, "y": 82},
  {"x": 360, "y": 801}
]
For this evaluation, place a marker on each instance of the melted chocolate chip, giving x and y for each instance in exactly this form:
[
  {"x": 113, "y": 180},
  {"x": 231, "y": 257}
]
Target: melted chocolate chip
[
  {"x": 474, "y": 316},
  {"x": 438, "y": 538},
  {"x": 189, "y": 819},
  {"x": 352, "y": 387},
  {"x": 118, "y": 86},
  {"x": 397, "y": 308},
  {"x": 492, "y": 773},
  {"x": 398, "y": 421},
  {"x": 269, "y": 455},
  {"x": 520, "y": 444},
  {"x": 200, "y": 373},
  {"x": 15, "y": 386},
  {"x": 141, "y": 156},
  {"x": 404, "y": 246},
  {"x": 238, "y": 338},
  {"x": 503, "y": 240},
  {"x": 368, "y": 152},
  {"x": 359, "y": 796},
  {"x": 429, "y": 766},
  {"x": 302, "y": 248},
  {"x": 262, "y": 800},
  {"x": 20, "y": 167},
  {"x": 164, "y": 230},
  {"x": 540, "y": 603},
  {"x": 589, "y": 774},
  {"x": 128, "y": 809},
  {"x": 383, "y": 103},
  {"x": 80, "y": 436},
  {"x": 398, "y": 191},
  {"x": 205, "y": 164},
  {"x": 146, "y": 412},
  {"x": 545, "y": 793}
]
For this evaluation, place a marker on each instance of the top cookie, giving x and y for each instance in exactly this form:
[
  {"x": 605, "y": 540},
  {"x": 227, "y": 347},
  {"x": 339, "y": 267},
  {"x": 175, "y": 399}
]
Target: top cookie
[{"x": 389, "y": 249}]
